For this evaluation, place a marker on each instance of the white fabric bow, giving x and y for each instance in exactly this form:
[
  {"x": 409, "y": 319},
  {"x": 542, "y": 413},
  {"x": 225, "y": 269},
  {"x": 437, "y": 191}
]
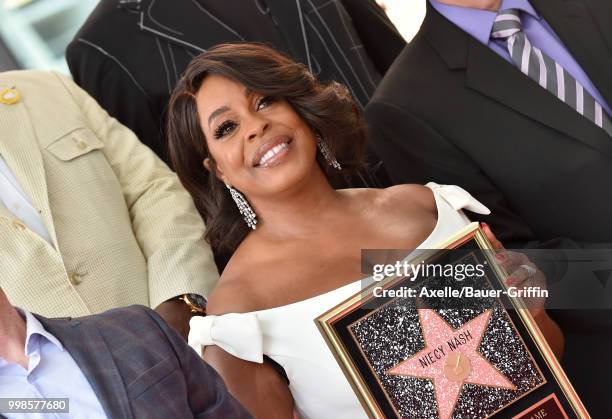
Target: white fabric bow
[
  {"x": 237, "y": 334},
  {"x": 459, "y": 198}
]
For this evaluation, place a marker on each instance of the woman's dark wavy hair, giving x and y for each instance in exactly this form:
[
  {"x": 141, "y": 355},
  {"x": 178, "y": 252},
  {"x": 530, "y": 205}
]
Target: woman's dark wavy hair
[{"x": 328, "y": 108}]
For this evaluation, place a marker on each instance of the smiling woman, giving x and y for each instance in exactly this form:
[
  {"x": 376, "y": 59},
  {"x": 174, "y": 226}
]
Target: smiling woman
[
  {"x": 245, "y": 117},
  {"x": 236, "y": 87}
]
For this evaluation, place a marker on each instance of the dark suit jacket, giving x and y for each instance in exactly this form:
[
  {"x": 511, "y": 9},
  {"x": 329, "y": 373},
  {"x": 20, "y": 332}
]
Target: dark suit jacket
[
  {"x": 453, "y": 111},
  {"x": 141, "y": 368},
  {"x": 129, "y": 58},
  {"x": 450, "y": 110}
]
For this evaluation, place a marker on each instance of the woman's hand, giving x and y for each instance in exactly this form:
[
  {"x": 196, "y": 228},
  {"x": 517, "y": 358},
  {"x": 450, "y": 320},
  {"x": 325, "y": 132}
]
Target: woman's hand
[{"x": 522, "y": 274}]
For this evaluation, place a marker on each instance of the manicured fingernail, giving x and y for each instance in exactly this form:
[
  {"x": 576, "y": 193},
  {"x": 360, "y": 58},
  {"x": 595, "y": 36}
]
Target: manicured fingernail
[
  {"x": 499, "y": 256},
  {"x": 484, "y": 225},
  {"x": 510, "y": 281}
]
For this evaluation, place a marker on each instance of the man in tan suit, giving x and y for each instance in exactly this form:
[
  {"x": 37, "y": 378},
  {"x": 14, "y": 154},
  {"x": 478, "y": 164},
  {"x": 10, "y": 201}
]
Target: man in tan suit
[{"x": 90, "y": 219}]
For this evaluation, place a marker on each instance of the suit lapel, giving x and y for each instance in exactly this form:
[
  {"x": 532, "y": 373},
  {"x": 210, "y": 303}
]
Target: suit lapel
[
  {"x": 89, "y": 350},
  {"x": 186, "y": 23},
  {"x": 21, "y": 152},
  {"x": 494, "y": 77},
  {"x": 579, "y": 31}
]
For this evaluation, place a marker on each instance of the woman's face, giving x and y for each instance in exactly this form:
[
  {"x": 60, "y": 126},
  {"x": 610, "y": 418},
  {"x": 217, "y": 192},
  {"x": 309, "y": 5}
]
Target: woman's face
[{"x": 260, "y": 144}]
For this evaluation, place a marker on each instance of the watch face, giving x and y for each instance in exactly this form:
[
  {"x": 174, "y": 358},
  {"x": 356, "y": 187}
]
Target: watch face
[{"x": 197, "y": 300}]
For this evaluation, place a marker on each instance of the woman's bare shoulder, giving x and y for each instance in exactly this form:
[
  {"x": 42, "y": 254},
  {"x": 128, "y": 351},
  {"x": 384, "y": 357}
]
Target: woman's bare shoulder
[
  {"x": 235, "y": 292},
  {"x": 243, "y": 283},
  {"x": 408, "y": 197},
  {"x": 403, "y": 213}
]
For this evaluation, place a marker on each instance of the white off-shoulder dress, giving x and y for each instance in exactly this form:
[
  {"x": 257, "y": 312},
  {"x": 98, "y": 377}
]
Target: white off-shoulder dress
[{"x": 288, "y": 334}]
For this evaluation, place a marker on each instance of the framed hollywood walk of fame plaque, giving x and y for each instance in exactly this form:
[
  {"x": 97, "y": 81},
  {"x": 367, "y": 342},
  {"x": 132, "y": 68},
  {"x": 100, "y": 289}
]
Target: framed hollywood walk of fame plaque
[{"x": 448, "y": 342}]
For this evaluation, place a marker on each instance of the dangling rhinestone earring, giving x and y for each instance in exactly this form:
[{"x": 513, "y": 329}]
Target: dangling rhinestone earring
[
  {"x": 243, "y": 206},
  {"x": 327, "y": 154}
]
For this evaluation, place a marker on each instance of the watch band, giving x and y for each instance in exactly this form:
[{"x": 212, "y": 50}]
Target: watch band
[{"x": 195, "y": 302}]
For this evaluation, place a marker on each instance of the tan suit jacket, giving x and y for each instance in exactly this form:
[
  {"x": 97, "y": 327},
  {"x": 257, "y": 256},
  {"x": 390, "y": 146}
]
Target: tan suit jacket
[{"x": 124, "y": 230}]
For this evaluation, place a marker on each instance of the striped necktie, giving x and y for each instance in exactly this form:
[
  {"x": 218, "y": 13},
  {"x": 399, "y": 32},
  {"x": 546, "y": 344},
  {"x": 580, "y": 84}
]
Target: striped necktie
[{"x": 545, "y": 71}]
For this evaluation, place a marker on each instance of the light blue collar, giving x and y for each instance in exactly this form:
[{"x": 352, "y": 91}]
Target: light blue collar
[{"x": 35, "y": 328}]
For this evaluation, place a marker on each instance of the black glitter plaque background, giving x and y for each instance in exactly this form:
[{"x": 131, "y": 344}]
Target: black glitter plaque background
[{"x": 392, "y": 334}]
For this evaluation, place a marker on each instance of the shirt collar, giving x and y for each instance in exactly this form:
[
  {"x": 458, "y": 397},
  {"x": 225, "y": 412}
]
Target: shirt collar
[
  {"x": 478, "y": 22},
  {"x": 35, "y": 328}
]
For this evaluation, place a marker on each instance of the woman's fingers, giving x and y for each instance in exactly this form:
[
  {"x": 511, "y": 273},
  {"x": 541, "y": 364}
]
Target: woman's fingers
[
  {"x": 519, "y": 268},
  {"x": 510, "y": 260},
  {"x": 521, "y": 276},
  {"x": 523, "y": 273}
]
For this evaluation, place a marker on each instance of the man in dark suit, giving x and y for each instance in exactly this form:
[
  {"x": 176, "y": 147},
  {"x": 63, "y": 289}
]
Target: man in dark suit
[
  {"x": 525, "y": 133},
  {"x": 124, "y": 363},
  {"x": 130, "y": 54}
]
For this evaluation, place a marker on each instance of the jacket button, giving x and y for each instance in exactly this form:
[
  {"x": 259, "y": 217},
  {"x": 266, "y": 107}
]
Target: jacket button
[{"x": 75, "y": 278}]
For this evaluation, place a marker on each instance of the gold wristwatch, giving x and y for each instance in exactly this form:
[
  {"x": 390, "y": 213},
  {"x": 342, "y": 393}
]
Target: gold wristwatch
[{"x": 195, "y": 302}]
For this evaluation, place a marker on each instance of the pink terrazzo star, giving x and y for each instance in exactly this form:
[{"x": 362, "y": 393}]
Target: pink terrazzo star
[{"x": 451, "y": 359}]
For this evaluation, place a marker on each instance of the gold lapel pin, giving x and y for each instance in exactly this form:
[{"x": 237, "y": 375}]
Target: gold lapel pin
[{"x": 9, "y": 95}]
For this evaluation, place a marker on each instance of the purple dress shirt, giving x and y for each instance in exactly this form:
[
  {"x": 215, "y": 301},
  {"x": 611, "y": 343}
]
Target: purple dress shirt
[{"x": 478, "y": 23}]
